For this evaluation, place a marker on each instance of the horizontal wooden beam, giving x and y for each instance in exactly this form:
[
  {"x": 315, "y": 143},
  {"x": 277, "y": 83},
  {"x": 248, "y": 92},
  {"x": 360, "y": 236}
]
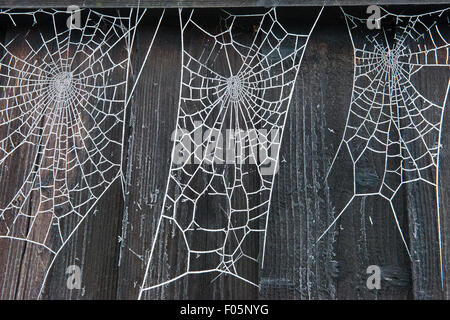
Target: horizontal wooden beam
[{"x": 204, "y": 3}]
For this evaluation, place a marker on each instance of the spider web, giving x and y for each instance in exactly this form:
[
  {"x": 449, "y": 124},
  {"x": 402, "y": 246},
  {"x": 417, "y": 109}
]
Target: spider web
[
  {"x": 234, "y": 98},
  {"x": 388, "y": 116},
  {"x": 63, "y": 102}
]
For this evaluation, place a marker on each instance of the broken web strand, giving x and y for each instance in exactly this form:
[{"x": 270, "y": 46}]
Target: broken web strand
[
  {"x": 388, "y": 67},
  {"x": 75, "y": 80},
  {"x": 239, "y": 102}
]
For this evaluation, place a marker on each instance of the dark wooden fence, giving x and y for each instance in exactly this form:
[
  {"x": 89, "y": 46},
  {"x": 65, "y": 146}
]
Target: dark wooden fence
[{"x": 111, "y": 246}]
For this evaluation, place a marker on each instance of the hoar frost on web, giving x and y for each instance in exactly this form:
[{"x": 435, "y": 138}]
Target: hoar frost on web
[
  {"x": 389, "y": 117},
  {"x": 234, "y": 98},
  {"x": 63, "y": 98}
]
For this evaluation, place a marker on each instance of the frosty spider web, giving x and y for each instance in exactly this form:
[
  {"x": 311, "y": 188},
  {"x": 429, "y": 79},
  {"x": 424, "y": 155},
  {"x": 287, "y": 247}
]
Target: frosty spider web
[
  {"x": 63, "y": 98},
  {"x": 234, "y": 98},
  {"x": 388, "y": 116}
]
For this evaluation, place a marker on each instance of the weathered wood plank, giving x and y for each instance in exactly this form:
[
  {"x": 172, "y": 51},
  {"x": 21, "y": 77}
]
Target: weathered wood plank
[
  {"x": 157, "y": 121},
  {"x": 305, "y": 203},
  {"x": 23, "y": 263},
  {"x": 421, "y": 199},
  {"x": 152, "y": 120},
  {"x": 444, "y": 197}
]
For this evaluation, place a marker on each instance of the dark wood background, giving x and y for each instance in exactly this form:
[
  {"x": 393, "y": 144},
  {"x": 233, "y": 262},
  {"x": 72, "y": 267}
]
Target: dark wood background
[{"x": 111, "y": 246}]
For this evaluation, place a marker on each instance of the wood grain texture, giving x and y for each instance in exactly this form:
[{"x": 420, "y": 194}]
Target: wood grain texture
[
  {"x": 113, "y": 244},
  {"x": 23, "y": 263}
]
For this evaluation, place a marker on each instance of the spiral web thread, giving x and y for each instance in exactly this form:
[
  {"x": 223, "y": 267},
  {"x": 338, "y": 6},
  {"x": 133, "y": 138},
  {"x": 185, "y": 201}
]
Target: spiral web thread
[
  {"x": 388, "y": 115},
  {"x": 219, "y": 194}
]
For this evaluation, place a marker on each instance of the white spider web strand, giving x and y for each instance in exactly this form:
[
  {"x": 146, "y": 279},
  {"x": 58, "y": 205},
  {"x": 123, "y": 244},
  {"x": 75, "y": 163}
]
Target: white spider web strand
[
  {"x": 217, "y": 95},
  {"x": 388, "y": 115},
  {"x": 63, "y": 100}
]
